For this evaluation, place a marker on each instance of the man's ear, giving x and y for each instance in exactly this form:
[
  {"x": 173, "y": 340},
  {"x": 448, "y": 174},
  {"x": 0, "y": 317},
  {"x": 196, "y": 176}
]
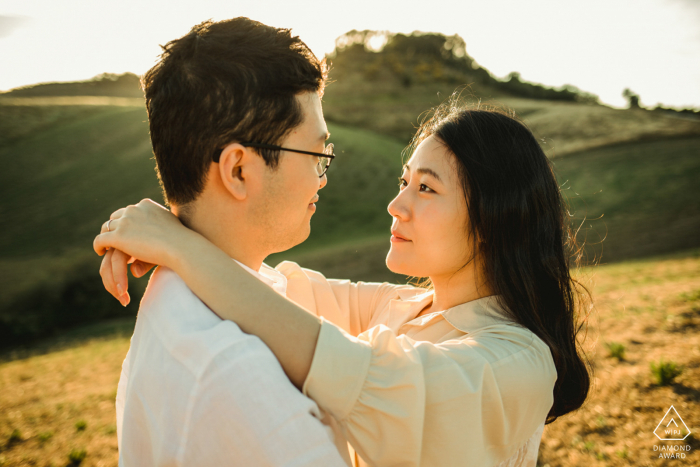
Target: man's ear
[{"x": 234, "y": 169}]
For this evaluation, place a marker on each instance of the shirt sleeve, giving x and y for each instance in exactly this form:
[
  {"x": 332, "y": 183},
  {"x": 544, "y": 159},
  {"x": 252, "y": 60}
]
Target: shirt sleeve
[
  {"x": 352, "y": 306},
  {"x": 246, "y": 412},
  {"x": 360, "y": 301},
  {"x": 383, "y": 387}
]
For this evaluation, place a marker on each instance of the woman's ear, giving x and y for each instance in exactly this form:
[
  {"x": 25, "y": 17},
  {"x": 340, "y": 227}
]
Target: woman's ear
[{"x": 234, "y": 167}]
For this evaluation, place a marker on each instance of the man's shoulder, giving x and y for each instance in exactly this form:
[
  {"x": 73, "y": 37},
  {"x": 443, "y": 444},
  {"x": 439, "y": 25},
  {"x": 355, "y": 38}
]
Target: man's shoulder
[
  {"x": 168, "y": 298},
  {"x": 173, "y": 323}
]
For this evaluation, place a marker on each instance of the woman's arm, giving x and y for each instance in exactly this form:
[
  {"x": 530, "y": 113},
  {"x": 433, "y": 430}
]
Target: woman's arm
[
  {"x": 154, "y": 235},
  {"x": 286, "y": 328},
  {"x": 405, "y": 402},
  {"x": 353, "y": 306}
]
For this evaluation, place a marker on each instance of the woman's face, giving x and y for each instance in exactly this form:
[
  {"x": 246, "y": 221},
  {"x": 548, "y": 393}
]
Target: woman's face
[{"x": 429, "y": 232}]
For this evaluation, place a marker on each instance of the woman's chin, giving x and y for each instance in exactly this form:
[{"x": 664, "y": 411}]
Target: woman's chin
[{"x": 399, "y": 266}]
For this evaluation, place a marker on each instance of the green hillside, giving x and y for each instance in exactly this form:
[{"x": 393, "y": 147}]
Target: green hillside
[
  {"x": 63, "y": 178},
  {"x": 630, "y": 201},
  {"x": 386, "y": 90},
  {"x": 106, "y": 84},
  {"x": 74, "y": 152},
  {"x": 79, "y": 163}
]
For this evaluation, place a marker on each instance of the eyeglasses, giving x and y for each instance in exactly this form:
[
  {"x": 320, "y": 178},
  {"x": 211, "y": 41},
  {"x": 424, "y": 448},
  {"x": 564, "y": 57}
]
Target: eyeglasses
[{"x": 324, "y": 158}]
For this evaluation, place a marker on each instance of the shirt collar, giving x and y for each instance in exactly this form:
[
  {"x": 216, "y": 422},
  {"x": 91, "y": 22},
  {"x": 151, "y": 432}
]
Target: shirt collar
[
  {"x": 465, "y": 317},
  {"x": 269, "y": 276}
]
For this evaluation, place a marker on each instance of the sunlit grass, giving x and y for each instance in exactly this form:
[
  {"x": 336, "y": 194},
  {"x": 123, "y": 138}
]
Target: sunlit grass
[{"x": 58, "y": 399}]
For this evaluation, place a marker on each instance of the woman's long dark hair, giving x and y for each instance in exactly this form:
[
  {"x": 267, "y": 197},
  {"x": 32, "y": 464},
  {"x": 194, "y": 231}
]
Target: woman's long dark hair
[{"x": 518, "y": 220}]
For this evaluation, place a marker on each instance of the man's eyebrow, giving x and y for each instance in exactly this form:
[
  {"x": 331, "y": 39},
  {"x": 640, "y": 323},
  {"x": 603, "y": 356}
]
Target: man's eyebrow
[{"x": 426, "y": 171}]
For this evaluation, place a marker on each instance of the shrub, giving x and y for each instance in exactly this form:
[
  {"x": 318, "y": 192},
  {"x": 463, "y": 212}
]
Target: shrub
[
  {"x": 45, "y": 436},
  {"x": 76, "y": 456},
  {"x": 665, "y": 372},
  {"x": 616, "y": 350},
  {"x": 691, "y": 296},
  {"x": 80, "y": 425},
  {"x": 15, "y": 436}
]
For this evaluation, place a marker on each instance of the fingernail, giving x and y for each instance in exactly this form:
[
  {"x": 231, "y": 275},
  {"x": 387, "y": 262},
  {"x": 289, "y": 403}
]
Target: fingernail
[
  {"x": 120, "y": 290},
  {"x": 123, "y": 301}
]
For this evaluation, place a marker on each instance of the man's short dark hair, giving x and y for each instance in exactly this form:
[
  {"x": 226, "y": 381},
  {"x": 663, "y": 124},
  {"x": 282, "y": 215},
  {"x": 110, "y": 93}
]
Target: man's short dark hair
[{"x": 224, "y": 82}]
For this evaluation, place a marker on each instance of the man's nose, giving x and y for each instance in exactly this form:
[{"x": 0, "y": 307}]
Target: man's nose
[{"x": 324, "y": 181}]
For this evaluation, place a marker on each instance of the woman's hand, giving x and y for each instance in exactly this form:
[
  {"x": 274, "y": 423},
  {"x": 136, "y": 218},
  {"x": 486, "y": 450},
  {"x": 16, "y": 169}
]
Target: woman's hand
[
  {"x": 145, "y": 234},
  {"x": 113, "y": 272}
]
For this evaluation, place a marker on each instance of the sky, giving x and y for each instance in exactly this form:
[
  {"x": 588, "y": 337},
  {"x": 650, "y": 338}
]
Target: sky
[{"x": 600, "y": 46}]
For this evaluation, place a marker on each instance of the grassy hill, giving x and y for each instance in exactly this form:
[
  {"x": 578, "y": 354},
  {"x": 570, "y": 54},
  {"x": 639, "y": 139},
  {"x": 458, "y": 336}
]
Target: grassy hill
[
  {"x": 385, "y": 90},
  {"x": 67, "y": 167},
  {"x": 106, "y": 84},
  {"x": 650, "y": 308},
  {"x": 74, "y": 152},
  {"x": 566, "y": 127}
]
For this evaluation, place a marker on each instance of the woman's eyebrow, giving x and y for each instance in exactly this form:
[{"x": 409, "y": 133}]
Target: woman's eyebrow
[{"x": 426, "y": 171}]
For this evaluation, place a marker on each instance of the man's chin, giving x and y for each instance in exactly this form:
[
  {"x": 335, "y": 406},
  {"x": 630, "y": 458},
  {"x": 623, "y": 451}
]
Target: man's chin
[{"x": 293, "y": 240}]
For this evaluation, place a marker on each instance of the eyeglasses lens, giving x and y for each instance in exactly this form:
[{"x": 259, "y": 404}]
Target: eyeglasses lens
[{"x": 324, "y": 162}]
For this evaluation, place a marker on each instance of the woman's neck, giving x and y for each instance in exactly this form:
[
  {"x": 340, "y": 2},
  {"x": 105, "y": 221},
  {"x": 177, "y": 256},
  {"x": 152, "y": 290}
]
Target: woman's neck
[{"x": 454, "y": 289}]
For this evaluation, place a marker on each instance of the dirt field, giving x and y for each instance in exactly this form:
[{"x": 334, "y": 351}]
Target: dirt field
[
  {"x": 653, "y": 309},
  {"x": 61, "y": 402}
]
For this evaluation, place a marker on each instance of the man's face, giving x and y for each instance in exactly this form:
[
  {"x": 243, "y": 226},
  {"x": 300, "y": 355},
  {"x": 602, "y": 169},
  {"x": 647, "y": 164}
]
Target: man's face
[{"x": 290, "y": 190}]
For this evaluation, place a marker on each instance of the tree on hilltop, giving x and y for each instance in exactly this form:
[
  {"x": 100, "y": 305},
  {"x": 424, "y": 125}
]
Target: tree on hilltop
[{"x": 632, "y": 98}]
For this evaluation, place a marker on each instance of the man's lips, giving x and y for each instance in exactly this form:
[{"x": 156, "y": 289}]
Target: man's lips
[
  {"x": 312, "y": 206},
  {"x": 397, "y": 237}
]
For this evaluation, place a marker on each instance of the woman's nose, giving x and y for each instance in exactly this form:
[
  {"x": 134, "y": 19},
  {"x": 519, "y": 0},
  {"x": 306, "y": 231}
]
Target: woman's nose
[{"x": 397, "y": 208}]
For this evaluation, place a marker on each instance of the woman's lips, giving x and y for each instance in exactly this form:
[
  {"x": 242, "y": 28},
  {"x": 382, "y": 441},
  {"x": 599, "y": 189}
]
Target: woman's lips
[{"x": 396, "y": 238}]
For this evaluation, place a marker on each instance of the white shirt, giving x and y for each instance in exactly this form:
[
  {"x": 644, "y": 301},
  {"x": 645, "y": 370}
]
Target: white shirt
[{"x": 197, "y": 391}]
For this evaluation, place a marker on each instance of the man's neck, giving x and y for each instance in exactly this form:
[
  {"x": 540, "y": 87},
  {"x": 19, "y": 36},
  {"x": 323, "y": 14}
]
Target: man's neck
[{"x": 232, "y": 238}]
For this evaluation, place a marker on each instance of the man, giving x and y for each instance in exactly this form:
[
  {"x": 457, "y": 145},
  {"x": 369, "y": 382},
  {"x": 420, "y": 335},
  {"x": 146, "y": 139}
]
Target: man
[{"x": 196, "y": 390}]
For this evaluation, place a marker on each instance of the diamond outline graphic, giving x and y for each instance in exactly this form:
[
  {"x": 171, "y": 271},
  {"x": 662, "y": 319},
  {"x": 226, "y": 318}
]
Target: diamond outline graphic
[{"x": 674, "y": 421}]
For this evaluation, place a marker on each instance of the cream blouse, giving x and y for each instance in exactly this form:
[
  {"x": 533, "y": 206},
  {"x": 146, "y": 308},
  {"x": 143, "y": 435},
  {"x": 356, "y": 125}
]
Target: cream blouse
[{"x": 460, "y": 387}]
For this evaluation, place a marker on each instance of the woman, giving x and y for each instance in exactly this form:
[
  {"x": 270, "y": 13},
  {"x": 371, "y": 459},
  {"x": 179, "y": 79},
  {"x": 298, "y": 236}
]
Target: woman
[{"x": 465, "y": 372}]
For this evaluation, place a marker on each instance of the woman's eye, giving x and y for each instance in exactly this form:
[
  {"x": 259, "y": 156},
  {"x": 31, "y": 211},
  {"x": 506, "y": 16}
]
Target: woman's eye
[
  {"x": 425, "y": 187},
  {"x": 402, "y": 182}
]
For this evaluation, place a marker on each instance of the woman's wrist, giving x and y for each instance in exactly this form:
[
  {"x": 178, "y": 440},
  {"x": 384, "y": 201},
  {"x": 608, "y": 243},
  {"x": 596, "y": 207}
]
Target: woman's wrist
[{"x": 186, "y": 246}]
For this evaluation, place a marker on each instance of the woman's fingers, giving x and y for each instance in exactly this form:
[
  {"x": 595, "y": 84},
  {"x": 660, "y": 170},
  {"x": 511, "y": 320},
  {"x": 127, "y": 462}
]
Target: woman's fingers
[
  {"x": 121, "y": 281},
  {"x": 101, "y": 244},
  {"x": 139, "y": 268},
  {"x": 109, "y": 226},
  {"x": 118, "y": 213},
  {"x": 146, "y": 231},
  {"x": 106, "y": 274}
]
